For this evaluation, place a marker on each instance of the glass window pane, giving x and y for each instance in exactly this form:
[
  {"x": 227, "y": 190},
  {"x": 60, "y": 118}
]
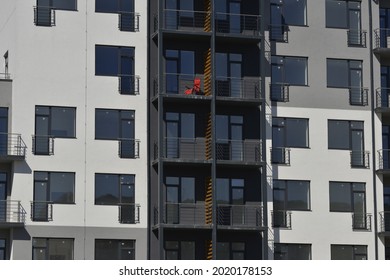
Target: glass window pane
[
  {"x": 294, "y": 12},
  {"x": 299, "y": 252},
  {"x": 223, "y": 251},
  {"x": 106, "y": 61},
  {"x": 106, "y": 189},
  {"x": 63, "y": 122},
  {"x": 106, "y": 6},
  {"x": 114, "y": 249},
  {"x": 60, "y": 249},
  {"x": 187, "y": 125},
  {"x": 188, "y": 250},
  {"x": 341, "y": 252},
  {"x": 187, "y": 190},
  {"x": 295, "y": 70},
  {"x": 223, "y": 191},
  {"x": 338, "y": 135},
  {"x": 62, "y": 187},
  {"x": 336, "y": 14},
  {"x": 107, "y": 124},
  {"x": 222, "y": 127},
  {"x": 337, "y": 73},
  {"x": 297, "y": 133},
  {"x": 65, "y": 4},
  {"x": 340, "y": 197},
  {"x": 298, "y": 196}
]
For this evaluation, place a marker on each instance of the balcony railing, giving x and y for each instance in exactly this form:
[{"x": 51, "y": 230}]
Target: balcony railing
[
  {"x": 280, "y": 92},
  {"x": 382, "y": 38},
  {"x": 382, "y": 98},
  {"x": 361, "y": 221},
  {"x": 384, "y": 222},
  {"x": 187, "y": 20},
  {"x": 239, "y": 215},
  {"x": 43, "y": 145},
  {"x": 12, "y": 145},
  {"x": 41, "y": 211},
  {"x": 238, "y": 150},
  {"x": 280, "y": 155},
  {"x": 189, "y": 214},
  {"x": 281, "y": 219},
  {"x": 181, "y": 84},
  {"x": 356, "y": 38},
  {"x": 128, "y": 84},
  {"x": 44, "y": 16},
  {"x": 128, "y": 148},
  {"x": 5, "y": 76},
  {"x": 129, "y": 213},
  {"x": 278, "y": 33},
  {"x": 238, "y": 88},
  {"x": 384, "y": 159},
  {"x": 185, "y": 148},
  {"x": 237, "y": 24},
  {"x": 12, "y": 212},
  {"x": 128, "y": 21},
  {"x": 360, "y": 159},
  {"x": 358, "y": 96}
]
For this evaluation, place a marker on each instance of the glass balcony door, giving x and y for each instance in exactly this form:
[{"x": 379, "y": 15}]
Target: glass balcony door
[
  {"x": 41, "y": 199},
  {"x": 127, "y": 203}
]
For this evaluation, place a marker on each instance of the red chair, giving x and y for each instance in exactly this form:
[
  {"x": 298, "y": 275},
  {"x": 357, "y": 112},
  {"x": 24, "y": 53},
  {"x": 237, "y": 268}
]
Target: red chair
[{"x": 195, "y": 89}]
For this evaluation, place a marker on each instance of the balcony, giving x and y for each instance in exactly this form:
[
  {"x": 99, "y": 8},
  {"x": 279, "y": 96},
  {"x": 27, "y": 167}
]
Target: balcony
[
  {"x": 129, "y": 213},
  {"x": 281, "y": 219},
  {"x": 128, "y": 21},
  {"x": 238, "y": 151},
  {"x": 382, "y": 44},
  {"x": 190, "y": 215},
  {"x": 384, "y": 161},
  {"x": 184, "y": 149},
  {"x": 358, "y": 96},
  {"x": 280, "y": 92},
  {"x": 384, "y": 222},
  {"x": 44, "y": 16},
  {"x": 43, "y": 145},
  {"x": 185, "y": 20},
  {"x": 239, "y": 216},
  {"x": 12, "y": 213},
  {"x": 382, "y": 100},
  {"x": 128, "y": 84},
  {"x": 238, "y": 24},
  {"x": 360, "y": 159},
  {"x": 12, "y": 147},
  {"x": 356, "y": 38},
  {"x": 361, "y": 221},
  {"x": 280, "y": 155},
  {"x": 278, "y": 33},
  {"x": 128, "y": 148},
  {"x": 241, "y": 89},
  {"x": 41, "y": 211}
]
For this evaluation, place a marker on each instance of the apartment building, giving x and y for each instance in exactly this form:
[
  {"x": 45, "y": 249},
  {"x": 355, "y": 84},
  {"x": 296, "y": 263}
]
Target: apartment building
[{"x": 73, "y": 139}]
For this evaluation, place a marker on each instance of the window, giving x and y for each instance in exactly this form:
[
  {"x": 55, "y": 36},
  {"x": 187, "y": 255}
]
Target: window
[
  {"x": 284, "y": 251},
  {"x": 229, "y": 74},
  {"x": 44, "y": 10},
  {"x": 289, "y": 70},
  {"x": 128, "y": 21},
  {"x": 54, "y": 187},
  {"x": 113, "y": 189},
  {"x": 3, "y": 131},
  {"x": 288, "y": 12},
  {"x": 229, "y": 134},
  {"x": 57, "y": 122},
  {"x": 114, "y": 249},
  {"x": 291, "y": 195},
  {"x": 348, "y": 252},
  {"x": 342, "y": 73},
  {"x": 290, "y": 132},
  {"x": 180, "y": 70},
  {"x": 346, "y": 135},
  {"x": 231, "y": 250},
  {"x": 58, "y": 4},
  {"x": 117, "y": 61},
  {"x": 343, "y": 14},
  {"x": 179, "y": 250},
  {"x": 2, "y": 249},
  {"x": 179, "y": 192},
  {"x": 347, "y": 197},
  {"x": 180, "y": 133},
  {"x": 52, "y": 248}
]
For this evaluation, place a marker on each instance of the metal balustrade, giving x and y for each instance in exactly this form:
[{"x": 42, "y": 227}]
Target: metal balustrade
[
  {"x": 356, "y": 38},
  {"x": 44, "y": 16},
  {"x": 280, "y": 92},
  {"x": 278, "y": 33},
  {"x": 280, "y": 155},
  {"x": 12, "y": 212},
  {"x": 176, "y": 83},
  {"x": 237, "y": 24},
  {"x": 361, "y": 221},
  {"x": 128, "y": 21},
  {"x": 358, "y": 96},
  {"x": 129, "y": 213},
  {"x": 43, "y": 145},
  {"x": 384, "y": 159},
  {"x": 238, "y": 88},
  {"x": 381, "y": 38},
  {"x": 360, "y": 159},
  {"x": 384, "y": 221},
  {"x": 128, "y": 148},
  {"x": 187, "y": 20},
  {"x": 238, "y": 150},
  {"x": 239, "y": 215},
  {"x": 382, "y": 98},
  {"x": 41, "y": 211},
  {"x": 281, "y": 219},
  {"x": 12, "y": 145},
  {"x": 185, "y": 148},
  {"x": 128, "y": 84},
  {"x": 189, "y": 214}
]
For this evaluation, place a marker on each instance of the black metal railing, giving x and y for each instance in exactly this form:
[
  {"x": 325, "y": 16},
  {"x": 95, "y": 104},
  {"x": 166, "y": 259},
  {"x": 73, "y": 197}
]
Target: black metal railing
[
  {"x": 237, "y": 24},
  {"x": 5, "y": 76},
  {"x": 358, "y": 96},
  {"x": 383, "y": 159},
  {"x": 185, "y": 148},
  {"x": 43, "y": 145},
  {"x": 280, "y": 92},
  {"x": 382, "y": 38},
  {"x": 44, "y": 16},
  {"x": 128, "y": 84},
  {"x": 356, "y": 38},
  {"x": 382, "y": 97},
  {"x": 238, "y": 88},
  {"x": 278, "y": 33},
  {"x": 184, "y": 19},
  {"x": 281, "y": 219},
  {"x": 41, "y": 211},
  {"x": 280, "y": 155},
  {"x": 239, "y": 215},
  {"x": 238, "y": 150},
  {"x": 183, "y": 84},
  {"x": 128, "y": 21},
  {"x": 11, "y": 212},
  {"x": 384, "y": 222},
  {"x": 12, "y": 145},
  {"x": 360, "y": 159},
  {"x": 128, "y": 148},
  {"x": 155, "y": 23},
  {"x": 129, "y": 213},
  {"x": 361, "y": 221},
  {"x": 185, "y": 214}
]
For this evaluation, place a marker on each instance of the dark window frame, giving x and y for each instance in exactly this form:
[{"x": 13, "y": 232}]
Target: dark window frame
[
  {"x": 353, "y": 247},
  {"x": 233, "y": 251},
  {"x": 47, "y": 245},
  {"x": 287, "y": 246},
  {"x": 283, "y": 65},
  {"x": 117, "y": 242},
  {"x": 348, "y": 9},
  {"x": 284, "y": 22},
  {"x": 179, "y": 249},
  {"x": 350, "y": 68},
  {"x": 122, "y": 51},
  {"x": 118, "y": 11},
  {"x": 3, "y": 248},
  {"x": 120, "y": 198},
  {"x": 285, "y": 140},
  {"x": 49, "y": 188},
  {"x": 120, "y": 132},
  {"x": 350, "y": 130},
  {"x": 51, "y": 5},
  {"x": 351, "y": 186},
  {"x": 50, "y": 116},
  {"x": 286, "y": 198}
]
